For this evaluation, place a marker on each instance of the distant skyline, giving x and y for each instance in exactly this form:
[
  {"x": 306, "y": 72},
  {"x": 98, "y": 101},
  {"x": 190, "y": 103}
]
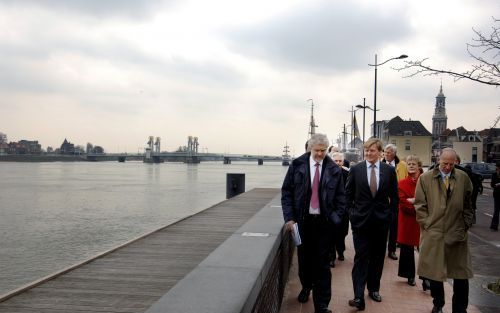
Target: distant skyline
[{"x": 236, "y": 74}]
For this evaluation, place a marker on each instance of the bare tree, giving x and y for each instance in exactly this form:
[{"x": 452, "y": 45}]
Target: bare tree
[{"x": 485, "y": 50}]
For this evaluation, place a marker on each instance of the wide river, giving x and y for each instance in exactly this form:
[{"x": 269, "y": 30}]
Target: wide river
[{"x": 53, "y": 215}]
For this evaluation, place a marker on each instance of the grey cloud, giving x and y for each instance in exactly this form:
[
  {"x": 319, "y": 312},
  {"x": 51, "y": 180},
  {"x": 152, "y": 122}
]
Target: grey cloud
[
  {"x": 19, "y": 76},
  {"x": 97, "y": 8},
  {"x": 334, "y": 36},
  {"x": 20, "y": 65}
]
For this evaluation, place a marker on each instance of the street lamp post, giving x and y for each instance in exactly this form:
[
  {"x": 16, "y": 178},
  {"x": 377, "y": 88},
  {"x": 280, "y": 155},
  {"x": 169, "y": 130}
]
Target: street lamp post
[
  {"x": 364, "y": 106},
  {"x": 403, "y": 56},
  {"x": 353, "y": 126},
  {"x": 359, "y": 106}
]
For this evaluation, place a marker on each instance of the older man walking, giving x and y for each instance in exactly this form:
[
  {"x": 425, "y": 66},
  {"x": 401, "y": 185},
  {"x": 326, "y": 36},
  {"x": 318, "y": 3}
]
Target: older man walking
[
  {"x": 444, "y": 212},
  {"x": 313, "y": 196},
  {"x": 391, "y": 158}
]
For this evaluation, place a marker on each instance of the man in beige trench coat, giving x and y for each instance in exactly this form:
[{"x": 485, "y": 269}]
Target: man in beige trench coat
[{"x": 444, "y": 212}]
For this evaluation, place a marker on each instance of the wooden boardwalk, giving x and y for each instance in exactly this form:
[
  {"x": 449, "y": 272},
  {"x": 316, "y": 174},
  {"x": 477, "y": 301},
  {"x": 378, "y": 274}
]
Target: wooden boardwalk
[{"x": 133, "y": 277}]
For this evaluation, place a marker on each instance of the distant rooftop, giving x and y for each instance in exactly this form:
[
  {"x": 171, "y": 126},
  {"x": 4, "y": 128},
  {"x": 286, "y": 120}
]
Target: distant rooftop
[{"x": 397, "y": 127}]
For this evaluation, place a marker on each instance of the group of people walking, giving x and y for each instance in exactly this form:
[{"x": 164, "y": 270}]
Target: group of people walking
[{"x": 433, "y": 209}]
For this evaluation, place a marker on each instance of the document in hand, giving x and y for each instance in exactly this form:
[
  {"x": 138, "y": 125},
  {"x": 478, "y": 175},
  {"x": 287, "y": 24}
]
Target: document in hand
[{"x": 296, "y": 235}]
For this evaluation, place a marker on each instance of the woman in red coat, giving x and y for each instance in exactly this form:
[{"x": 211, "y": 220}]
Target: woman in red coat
[{"x": 408, "y": 228}]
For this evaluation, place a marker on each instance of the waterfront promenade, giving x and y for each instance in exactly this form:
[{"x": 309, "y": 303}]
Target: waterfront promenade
[
  {"x": 163, "y": 271},
  {"x": 134, "y": 276},
  {"x": 397, "y": 295}
]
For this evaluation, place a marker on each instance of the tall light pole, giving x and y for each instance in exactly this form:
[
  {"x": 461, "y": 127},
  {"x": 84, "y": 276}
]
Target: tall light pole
[
  {"x": 403, "y": 56},
  {"x": 364, "y": 106},
  {"x": 353, "y": 126},
  {"x": 344, "y": 136}
]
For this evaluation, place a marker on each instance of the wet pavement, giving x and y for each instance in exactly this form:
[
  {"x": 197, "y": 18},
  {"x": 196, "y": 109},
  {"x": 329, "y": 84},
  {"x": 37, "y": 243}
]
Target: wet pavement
[{"x": 485, "y": 251}]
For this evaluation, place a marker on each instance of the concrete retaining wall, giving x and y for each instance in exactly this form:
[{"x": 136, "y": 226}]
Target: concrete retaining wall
[{"x": 246, "y": 273}]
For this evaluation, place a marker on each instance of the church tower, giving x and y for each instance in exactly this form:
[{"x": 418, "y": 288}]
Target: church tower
[{"x": 439, "y": 118}]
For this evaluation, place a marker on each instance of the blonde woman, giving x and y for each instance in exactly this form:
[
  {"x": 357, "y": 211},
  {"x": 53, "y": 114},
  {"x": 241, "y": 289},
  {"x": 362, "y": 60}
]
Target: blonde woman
[{"x": 408, "y": 228}]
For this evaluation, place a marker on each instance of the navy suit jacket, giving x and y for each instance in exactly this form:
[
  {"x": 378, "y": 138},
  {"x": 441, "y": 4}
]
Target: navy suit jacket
[
  {"x": 367, "y": 211},
  {"x": 296, "y": 190}
]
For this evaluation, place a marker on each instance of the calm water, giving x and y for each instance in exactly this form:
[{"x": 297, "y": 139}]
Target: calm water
[{"x": 53, "y": 215}]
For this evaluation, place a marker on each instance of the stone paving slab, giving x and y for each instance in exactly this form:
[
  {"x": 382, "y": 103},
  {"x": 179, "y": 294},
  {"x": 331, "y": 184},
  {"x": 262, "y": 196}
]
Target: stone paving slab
[{"x": 397, "y": 295}]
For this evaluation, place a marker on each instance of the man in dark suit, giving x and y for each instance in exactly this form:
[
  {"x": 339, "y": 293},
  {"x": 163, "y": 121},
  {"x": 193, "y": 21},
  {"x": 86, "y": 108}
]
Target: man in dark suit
[
  {"x": 339, "y": 233},
  {"x": 313, "y": 196},
  {"x": 393, "y": 160},
  {"x": 372, "y": 195}
]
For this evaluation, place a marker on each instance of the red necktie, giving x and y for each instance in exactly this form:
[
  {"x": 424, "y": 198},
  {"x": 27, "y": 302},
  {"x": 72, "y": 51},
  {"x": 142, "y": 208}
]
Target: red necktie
[{"x": 315, "y": 187}]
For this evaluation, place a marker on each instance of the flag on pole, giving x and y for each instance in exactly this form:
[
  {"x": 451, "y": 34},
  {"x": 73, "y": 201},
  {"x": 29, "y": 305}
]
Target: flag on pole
[{"x": 356, "y": 128}]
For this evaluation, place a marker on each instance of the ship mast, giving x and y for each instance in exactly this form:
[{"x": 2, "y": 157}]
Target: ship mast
[
  {"x": 286, "y": 157},
  {"x": 312, "y": 124},
  {"x": 286, "y": 150}
]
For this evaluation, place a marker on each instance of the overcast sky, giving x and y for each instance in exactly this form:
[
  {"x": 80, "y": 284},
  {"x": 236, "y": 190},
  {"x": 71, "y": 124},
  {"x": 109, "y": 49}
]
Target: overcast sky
[{"x": 237, "y": 74}]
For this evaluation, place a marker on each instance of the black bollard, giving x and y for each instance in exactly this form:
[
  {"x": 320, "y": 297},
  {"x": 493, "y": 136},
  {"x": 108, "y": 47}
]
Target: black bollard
[{"x": 235, "y": 184}]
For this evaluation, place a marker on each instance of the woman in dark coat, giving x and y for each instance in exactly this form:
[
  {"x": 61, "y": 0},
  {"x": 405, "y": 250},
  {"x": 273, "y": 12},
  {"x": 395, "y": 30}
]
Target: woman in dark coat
[{"x": 408, "y": 229}]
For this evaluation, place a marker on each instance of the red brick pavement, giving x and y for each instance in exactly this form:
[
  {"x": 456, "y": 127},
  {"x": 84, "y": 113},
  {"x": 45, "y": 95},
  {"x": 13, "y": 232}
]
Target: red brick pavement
[{"x": 397, "y": 295}]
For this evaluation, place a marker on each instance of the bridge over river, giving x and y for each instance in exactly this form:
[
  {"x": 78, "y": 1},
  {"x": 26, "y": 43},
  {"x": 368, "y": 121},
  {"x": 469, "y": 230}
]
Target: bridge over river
[{"x": 185, "y": 157}]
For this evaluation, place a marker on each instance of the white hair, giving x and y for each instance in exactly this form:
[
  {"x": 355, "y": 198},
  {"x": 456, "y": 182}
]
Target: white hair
[
  {"x": 317, "y": 139},
  {"x": 391, "y": 147},
  {"x": 337, "y": 154}
]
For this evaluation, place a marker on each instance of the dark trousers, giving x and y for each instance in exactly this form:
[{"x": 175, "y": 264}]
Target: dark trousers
[
  {"x": 474, "y": 206},
  {"x": 393, "y": 233},
  {"x": 406, "y": 267},
  {"x": 313, "y": 256},
  {"x": 369, "y": 245},
  {"x": 460, "y": 299},
  {"x": 494, "y": 219},
  {"x": 338, "y": 243}
]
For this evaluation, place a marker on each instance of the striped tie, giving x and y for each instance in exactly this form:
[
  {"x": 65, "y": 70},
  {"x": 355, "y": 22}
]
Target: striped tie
[{"x": 373, "y": 181}]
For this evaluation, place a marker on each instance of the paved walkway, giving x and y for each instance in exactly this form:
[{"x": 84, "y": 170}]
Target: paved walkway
[
  {"x": 130, "y": 278},
  {"x": 397, "y": 295}
]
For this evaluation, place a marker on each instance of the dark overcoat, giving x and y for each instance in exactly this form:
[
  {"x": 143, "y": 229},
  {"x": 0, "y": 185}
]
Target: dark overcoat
[{"x": 296, "y": 190}]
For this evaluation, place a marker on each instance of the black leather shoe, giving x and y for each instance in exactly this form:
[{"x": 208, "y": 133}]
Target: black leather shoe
[
  {"x": 324, "y": 311},
  {"x": 392, "y": 255},
  {"x": 437, "y": 309},
  {"x": 304, "y": 295},
  {"x": 358, "y": 303},
  {"x": 426, "y": 284},
  {"x": 332, "y": 263},
  {"x": 375, "y": 296},
  {"x": 341, "y": 257},
  {"x": 411, "y": 281}
]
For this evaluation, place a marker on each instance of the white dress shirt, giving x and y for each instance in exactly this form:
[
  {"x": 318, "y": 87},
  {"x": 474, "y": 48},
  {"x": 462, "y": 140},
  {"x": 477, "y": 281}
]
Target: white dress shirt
[{"x": 312, "y": 170}]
